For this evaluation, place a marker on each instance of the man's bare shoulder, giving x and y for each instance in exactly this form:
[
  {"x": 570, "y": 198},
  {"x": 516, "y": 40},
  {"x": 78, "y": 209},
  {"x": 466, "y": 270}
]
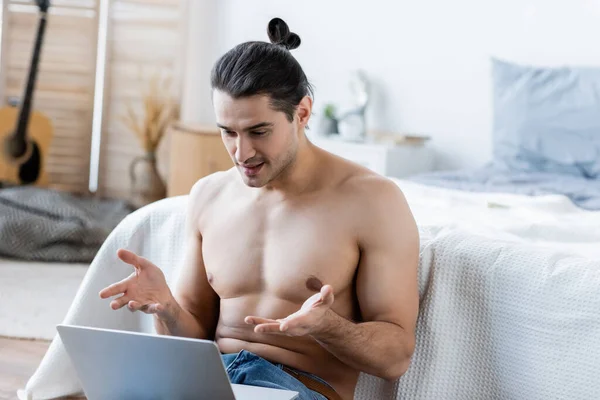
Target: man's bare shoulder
[
  {"x": 207, "y": 190},
  {"x": 208, "y": 186},
  {"x": 373, "y": 197},
  {"x": 362, "y": 184}
]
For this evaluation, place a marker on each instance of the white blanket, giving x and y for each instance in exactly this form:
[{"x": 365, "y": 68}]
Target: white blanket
[
  {"x": 550, "y": 221},
  {"x": 504, "y": 314}
]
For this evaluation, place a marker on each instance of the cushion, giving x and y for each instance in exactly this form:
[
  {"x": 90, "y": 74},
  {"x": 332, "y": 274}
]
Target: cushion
[{"x": 547, "y": 118}]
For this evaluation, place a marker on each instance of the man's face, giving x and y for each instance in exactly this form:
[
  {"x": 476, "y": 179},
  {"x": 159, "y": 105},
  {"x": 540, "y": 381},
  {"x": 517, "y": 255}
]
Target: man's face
[{"x": 262, "y": 142}]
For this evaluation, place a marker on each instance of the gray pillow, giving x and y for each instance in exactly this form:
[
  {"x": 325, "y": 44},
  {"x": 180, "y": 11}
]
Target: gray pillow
[{"x": 547, "y": 119}]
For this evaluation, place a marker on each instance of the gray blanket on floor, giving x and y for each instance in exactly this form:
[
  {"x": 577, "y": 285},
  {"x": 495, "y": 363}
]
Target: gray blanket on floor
[{"x": 46, "y": 225}]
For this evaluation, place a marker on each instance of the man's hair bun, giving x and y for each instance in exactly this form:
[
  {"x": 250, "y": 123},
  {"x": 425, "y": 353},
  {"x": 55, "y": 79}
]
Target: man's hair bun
[{"x": 280, "y": 34}]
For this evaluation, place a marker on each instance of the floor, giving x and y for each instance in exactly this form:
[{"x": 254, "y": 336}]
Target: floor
[
  {"x": 18, "y": 361},
  {"x": 36, "y": 296}
]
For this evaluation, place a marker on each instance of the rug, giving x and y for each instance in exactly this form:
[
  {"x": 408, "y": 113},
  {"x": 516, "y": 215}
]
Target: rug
[{"x": 35, "y": 296}]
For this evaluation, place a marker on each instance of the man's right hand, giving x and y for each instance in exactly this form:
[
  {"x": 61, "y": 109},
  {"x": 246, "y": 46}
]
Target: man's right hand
[{"x": 144, "y": 290}]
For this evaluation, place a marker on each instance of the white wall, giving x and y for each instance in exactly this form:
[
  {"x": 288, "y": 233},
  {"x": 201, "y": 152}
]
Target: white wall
[{"x": 428, "y": 59}]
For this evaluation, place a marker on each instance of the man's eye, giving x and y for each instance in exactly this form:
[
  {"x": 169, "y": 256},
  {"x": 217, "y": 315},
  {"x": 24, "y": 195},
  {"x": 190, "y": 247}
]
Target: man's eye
[{"x": 259, "y": 133}]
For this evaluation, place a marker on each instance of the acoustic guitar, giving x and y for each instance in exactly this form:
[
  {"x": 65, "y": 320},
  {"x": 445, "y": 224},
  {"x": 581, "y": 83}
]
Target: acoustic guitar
[{"x": 25, "y": 135}]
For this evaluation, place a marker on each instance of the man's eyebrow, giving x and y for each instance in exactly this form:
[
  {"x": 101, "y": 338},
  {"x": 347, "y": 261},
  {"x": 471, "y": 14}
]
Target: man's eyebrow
[{"x": 250, "y": 128}]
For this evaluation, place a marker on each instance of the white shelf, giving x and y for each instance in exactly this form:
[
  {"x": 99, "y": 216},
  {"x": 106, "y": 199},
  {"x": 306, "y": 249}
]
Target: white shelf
[{"x": 397, "y": 161}]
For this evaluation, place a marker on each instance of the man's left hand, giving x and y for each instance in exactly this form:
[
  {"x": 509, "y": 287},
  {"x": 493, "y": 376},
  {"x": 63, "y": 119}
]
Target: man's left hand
[{"x": 303, "y": 322}]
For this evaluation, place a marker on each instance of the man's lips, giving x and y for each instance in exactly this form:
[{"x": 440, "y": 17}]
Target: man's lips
[{"x": 251, "y": 170}]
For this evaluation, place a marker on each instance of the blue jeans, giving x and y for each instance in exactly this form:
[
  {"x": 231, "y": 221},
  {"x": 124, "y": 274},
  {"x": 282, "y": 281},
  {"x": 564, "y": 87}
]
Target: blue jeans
[{"x": 247, "y": 368}]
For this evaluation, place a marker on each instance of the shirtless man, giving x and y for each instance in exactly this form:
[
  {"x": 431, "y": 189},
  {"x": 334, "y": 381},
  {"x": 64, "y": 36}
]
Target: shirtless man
[{"x": 302, "y": 266}]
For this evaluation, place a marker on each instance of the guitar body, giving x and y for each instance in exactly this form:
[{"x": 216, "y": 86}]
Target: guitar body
[
  {"x": 31, "y": 168},
  {"x": 25, "y": 135}
]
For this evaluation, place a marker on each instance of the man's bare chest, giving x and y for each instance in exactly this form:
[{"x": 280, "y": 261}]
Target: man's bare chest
[{"x": 284, "y": 252}]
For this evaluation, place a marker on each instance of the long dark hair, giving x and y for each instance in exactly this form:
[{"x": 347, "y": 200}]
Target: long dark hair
[{"x": 261, "y": 68}]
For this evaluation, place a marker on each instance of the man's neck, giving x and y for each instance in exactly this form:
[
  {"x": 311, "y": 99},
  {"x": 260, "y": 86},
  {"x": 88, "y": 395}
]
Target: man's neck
[{"x": 299, "y": 176}]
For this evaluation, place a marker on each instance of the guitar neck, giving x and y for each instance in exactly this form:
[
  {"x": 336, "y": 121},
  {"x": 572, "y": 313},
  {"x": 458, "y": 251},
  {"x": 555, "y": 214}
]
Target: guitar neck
[{"x": 25, "y": 111}]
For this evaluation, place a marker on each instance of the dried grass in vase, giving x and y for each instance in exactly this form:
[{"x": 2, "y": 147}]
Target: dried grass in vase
[{"x": 158, "y": 111}]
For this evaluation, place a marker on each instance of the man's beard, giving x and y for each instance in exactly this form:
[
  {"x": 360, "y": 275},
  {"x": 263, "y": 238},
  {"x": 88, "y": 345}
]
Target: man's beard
[{"x": 282, "y": 168}]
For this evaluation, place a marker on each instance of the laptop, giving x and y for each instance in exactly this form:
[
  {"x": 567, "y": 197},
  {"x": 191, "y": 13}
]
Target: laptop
[{"x": 113, "y": 364}]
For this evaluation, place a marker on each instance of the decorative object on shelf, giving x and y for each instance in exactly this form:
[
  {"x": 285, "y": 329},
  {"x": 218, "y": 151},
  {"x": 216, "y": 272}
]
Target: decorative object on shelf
[
  {"x": 351, "y": 125},
  {"x": 359, "y": 87},
  {"x": 159, "y": 110},
  {"x": 329, "y": 123}
]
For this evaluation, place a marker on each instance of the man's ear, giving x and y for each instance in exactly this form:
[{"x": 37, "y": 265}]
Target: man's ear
[{"x": 304, "y": 110}]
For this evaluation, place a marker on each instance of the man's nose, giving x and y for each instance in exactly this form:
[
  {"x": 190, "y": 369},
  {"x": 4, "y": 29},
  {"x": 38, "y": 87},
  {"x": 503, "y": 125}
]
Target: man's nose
[{"x": 244, "y": 149}]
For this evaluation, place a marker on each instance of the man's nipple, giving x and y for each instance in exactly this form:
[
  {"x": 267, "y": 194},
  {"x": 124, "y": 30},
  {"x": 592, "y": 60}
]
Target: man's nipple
[
  {"x": 313, "y": 283},
  {"x": 210, "y": 277}
]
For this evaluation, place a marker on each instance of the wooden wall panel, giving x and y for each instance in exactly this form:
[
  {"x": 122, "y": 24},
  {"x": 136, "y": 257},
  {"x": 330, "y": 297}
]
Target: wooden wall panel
[
  {"x": 65, "y": 84},
  {"x": 145, "y": 38}
]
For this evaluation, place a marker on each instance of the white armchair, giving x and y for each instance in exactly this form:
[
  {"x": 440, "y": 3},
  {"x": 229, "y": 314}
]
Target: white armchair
[{"x": 498, "y": 320}]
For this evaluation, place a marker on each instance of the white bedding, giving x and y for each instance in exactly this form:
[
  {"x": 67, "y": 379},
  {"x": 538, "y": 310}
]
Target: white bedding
[
  {"x": 510, "y": 298},
  {"x": 547, "y": 221}
]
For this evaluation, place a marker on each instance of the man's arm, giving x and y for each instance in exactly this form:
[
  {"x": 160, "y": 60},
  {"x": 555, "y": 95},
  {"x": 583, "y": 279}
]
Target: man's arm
[
  {"x": 194, "y": 309},
  {"x": 387, "y": 290}
]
